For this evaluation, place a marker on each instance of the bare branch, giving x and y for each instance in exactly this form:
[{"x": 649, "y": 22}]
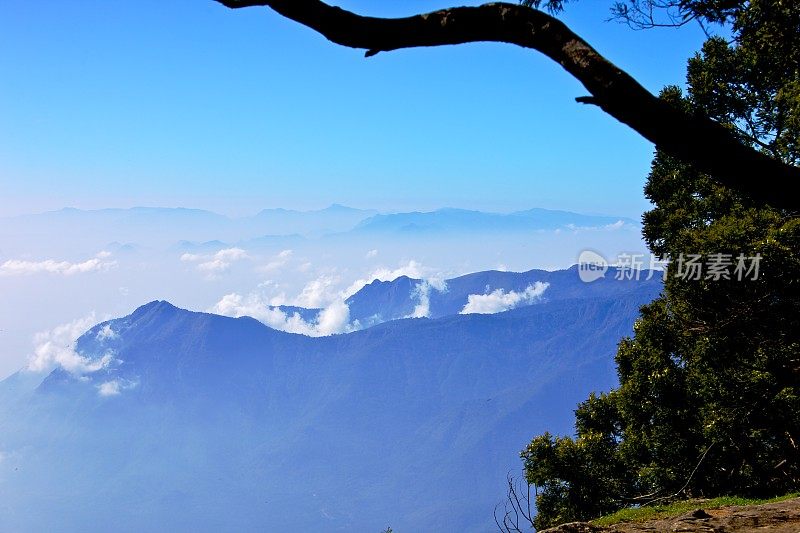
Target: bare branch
[
  {"x": 688, "y": 480},
  {"x": 515, "y": 505},
  {"x": 694, "y": 139}
]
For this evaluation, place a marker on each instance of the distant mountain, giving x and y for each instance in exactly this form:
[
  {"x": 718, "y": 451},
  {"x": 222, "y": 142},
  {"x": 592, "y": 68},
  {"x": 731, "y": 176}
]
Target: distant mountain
[
  {"x": 198, "y": 247},
  {"x": 160, "y": 226},
  {"x": 405, "y": 297},
  {"x": 272, "y": 240},
  {"x": 121, "y": 248},
  {"x": 307, "y": 314},
  {"x": 552, "y": 218},
  {"x": 466, "y": 221},
  {"x": 381, "y": 301},
  {"x": 208, "y": 423},
  {"x": 333, "y": 219}
]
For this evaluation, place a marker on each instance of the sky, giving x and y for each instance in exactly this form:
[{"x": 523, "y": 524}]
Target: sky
[{"x": 187, "y": 103}]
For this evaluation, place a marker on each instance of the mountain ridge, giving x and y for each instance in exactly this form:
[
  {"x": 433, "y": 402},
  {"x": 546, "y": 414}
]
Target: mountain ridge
[{"x": 204, "y": 422}]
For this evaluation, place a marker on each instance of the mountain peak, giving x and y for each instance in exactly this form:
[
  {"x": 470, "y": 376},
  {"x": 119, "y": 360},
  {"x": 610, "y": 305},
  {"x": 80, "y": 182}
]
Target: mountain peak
[
  {"x": 338, "y": 207},
  {"x": 156, "y": 306}
]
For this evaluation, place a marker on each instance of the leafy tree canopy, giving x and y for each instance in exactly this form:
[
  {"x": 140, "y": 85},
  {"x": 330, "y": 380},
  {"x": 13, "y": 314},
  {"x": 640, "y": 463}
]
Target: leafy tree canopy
[{"x": 709, "y": 396}]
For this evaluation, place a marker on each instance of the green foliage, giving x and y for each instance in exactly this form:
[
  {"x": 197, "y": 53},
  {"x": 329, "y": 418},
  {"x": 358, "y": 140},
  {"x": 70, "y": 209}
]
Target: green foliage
[
  {"x": 753, "y": 83},
  {"x": 709, "y": 396}
]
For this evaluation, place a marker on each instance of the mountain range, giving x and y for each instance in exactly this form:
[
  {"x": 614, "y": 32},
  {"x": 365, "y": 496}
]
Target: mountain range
[
  {"x": 156, "y": 226},
  {"x": 197, "y": 422},
  {"x": 162, "y": 226},
  {"x": 463, "y": 220},
  {"x": 382, "y": 301}
]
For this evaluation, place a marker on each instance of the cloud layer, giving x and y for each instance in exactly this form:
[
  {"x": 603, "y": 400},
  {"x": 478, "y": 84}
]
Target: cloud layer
[
  {"x": 17, "y": 267},
  {"x": 278, "y": 262},
  {"x": 216, "y": 263},
  {"x": 56, "y": 348}
]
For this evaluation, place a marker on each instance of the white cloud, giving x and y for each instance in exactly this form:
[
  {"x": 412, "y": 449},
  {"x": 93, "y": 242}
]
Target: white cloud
[
  {"x": 216, "y": 263},
  {"x": 17, "y": 267},
  {"x": 412, "y": 269},
  {"x": 106, "y": 333},
  {"x": 109, "y": 388},
  {"x": 56, "y": 348},
  {"x": 499, "y": 300},
  {"x": 318, "y": 293},
  {"x": 115, "y": 387},
  {"x": 371, "y": 254},
  {"x": 422, "y": 292},
  {"x": 323, "y": 293},
  {"x": 619, "y": 224},
  {"x": 334, "y": 318},
  {"x": 222, "y": 260},
  {"x": 236, "y": 305},
  {"x": 277, "y": 262}
]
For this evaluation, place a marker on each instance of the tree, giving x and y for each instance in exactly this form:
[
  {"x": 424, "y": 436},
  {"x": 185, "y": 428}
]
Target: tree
[
  {"x": 690, "y": 136},
  {"x": 709, "y": 395}
]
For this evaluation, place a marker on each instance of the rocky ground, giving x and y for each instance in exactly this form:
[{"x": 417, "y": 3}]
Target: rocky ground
[{"x": 781, "y": 517}]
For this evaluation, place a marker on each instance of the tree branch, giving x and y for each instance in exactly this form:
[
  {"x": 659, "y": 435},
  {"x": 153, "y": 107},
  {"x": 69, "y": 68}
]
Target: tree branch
[{"x": 694, "y": 139}]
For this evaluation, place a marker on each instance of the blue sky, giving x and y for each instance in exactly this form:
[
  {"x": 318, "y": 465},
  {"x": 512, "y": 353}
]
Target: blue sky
[{"x": 185, "y": 103}]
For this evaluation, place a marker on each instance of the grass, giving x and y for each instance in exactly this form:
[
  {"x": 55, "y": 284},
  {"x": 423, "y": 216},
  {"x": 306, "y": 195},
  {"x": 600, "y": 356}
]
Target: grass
[{"x": 640, "y": 514}]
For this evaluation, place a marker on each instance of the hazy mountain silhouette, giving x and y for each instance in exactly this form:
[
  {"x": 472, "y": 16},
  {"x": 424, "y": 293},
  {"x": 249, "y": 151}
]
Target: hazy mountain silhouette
[
  {"x": 463, "y": 220},
  {"x": 381, "y": 301},
  {"x": 199, "y": 229},
  {"x": 208, "y": 423}
]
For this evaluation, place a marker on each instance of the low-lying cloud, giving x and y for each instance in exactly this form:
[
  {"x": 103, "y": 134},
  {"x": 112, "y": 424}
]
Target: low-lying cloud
[
  {"x": 318, "y": 293},
  {"x": 324, "y": 293},
  {"x": 106, "y": 333},
  {"x": 277, "y": 262},
  {"x": 614, "y": 226},
  {"x": 115, "y": 387},
  {"x": 412, "y": 269},
  {"x": 216, "y": 263},
  {"x": 333, "y": 318},
  {"x": 56, "y": 348},
  {"x": 17, "y": 267},
  {"x": 499, "y": 300},
  {"x": 422, "y": 293}
]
